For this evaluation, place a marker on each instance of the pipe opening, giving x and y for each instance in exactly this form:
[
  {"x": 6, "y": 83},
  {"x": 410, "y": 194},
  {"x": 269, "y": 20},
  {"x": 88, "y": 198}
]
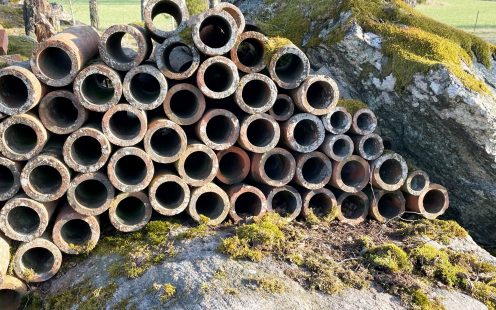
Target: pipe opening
[
  {"x": 320, "y": 204},
  {"x": 145, "y": 88},
  {"x": 391, "y": 171},
  {"x": 54, "y": 63},
  {"x": 45, "y": 179},
  {"x": 372, "y": 146},
  {"x": 341, "y": 147},
  {"x": 130, "y": 169},
  {"x": 434, "y": 201},
  {"x": 97, "y": 89},
  {"x": 289, "y": 68},
  {"x": 91, "y": 193},
  {"x": 61, "y": 112},
  {"x": 122, "y": 47},
  {"x": 24, "y": 220},
  {"x": 418, "y": 183},
  {"x": 277, "y": 167},
  {"x": 86, "y": 151},
  {"x": 6, "y": 179},
  {"x": 77, "y": 232},
  {"x": 284, "y": 203},
  {"x": 125, "y": 125},
  {"x": 339, "y": 120},
  {"x": 13, "y": 91},
  {"x": 365, "y": 121},
  {"x": 198, "y": 165},
  {"x": 218, "y": 77},
  {"x": 256, "y": 93},
  {"x": 219, "y": 129},
  {"x": 248, "y": 204},
  {"x": 353, "y": 173},
  {"x": 320, "y": 95},
  {"x": 210, "y": 204},
  {"x": 8, "y": 298},
  {"x": 260, "y": 132},
  {"x": 177, "y": 57},
  {"x": 215, "y": 31},
  {"x": 389, "y": 206},
  {"x": 282, "y": 107},
  {"x": 165, "y": 142},
  {"x": 306, "y": 132},
  {"x": 166, "y": 16},
  {"x": 184, "y": 103},
  {"x": 250, "y": 52},
  {"x": 20, "y": 138},
  {"x": 315, "y": 170},
  {"x": 353, "y": 207},
  {"x": 170, "y": 195},
  {"x": 130, "y": 211},
  {"x": 40, "y": 260},
  {"x": 231, "y": 165}
]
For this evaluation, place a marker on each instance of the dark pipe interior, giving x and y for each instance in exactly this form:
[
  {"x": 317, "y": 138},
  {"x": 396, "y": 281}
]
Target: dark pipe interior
[
  {"x": 339, "y": 120},
  {"x": 390, "y": 171},
  {"x": 86, "y": 151},
  {"x": 282, "y": 107},
  {"x": 125, "y": 125},
  {"x": 54, "y": 63},
  {"x": 353, "y": 207},
  {"x": 342, "y": 147},
  {"x": 372, "y": 146},
  {"x": 314, "y": 170},
  {"x": 170, "y": 195},
  {"x": 231, "y": 165},
  {"x": 390, "y": 205},
  {"x": 6, "y": 179},
  {"x": 306, "y": 132},
  {"x": 284, "y": 203},
  {"x": 219, "y": 129},
  {"x": 166, "y": 16},
  {"x": 130, "y": 170},
  {"x": 20, "y": 138},
  {"x": 119, "y": 49},
  {"x": 9, "y": 298},
  {"x": 418, "y": 182},
  {"x": 40, "y": 260},
  {"x": 256, "y": 93},
  {"x": 218, "y": 77},
  {"x": 13, "y": 91},
  {"x": 260, "y": 132},
  {"x": 198, "y": 165},
  {"x": 365, "y": 121},
  {"x": 248, "y": 204},
  {"x": 177, "y": 57},
  {"x": 91, "y": 193},
  {"x": 320, "y": 95},
  {"x": 130, "y": 210},
  {"x": 145, "y": 88},
  {"x": 45, "y": 179},
  {"x": 210, "y": 204},
  {"x": 23, "y": 220},
  {"x": 289, "y": 68},
  {"x": 97, "y": 89},
  {"x": 76, "y": 232},
  {"x": 184, "y": 104},
  {"x": 277, "y": 167},
  {"x": 320, "y": 204},
  {"x": 61, "y": 112},
  {"x": 215, "y": 31},
  {"x": 251, "y": 52},
  {"x": 434, "y": 201},
  {"x": 165, "y": 142},
  {"x": 353, "y": 173}
]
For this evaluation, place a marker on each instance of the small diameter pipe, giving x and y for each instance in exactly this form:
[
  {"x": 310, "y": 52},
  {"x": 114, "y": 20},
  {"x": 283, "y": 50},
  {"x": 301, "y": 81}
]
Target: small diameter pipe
[
  {"x": 23, "y": 219},
  {"x": 337, "y": 147},
  {"x": 234, "y": 165},
  {"x": 74, "y": 233},
  {"x": 289, "y": 66},
  {"x": 98, "y": 87},
  {"x": 20, "y": 90},
  {"x": 4, "y": 258},
  {"x": 90, "y": 194},
  {"x": 57, "y": 60},
  {"x": 37, "y": 261},
  {"x": 283, "y": 108},
  {"x": 115, "y": 54},
  {"x": 165, "y": 141},
  {"x": 389, "y": 172},
  {"x": 417, "y": 182},
  {"x": 337, "y": 121},
  {"x": 10, "y": 178},
  {"x": 317, "y": 95},
  {"x": 385, "y": 206},
  {"x": 259, "y": 133},
  {"x": 215, "y": 32},
  {"x": 364, "y": 122},
  {"x": 275, "y": 168},
  {"x": 320, "y": 202},
  {"x": 285, "y": 201},
  {"x": 22, "y": 137},
  {"x": 60, "y": 112},
  {"x": 145, "y": 87},
  {"x": 303, "y": 133},
  {"x": 12, "y": 292},
  {"x": 176, "y": 59},
  {"x": 313, "y": 170},
  {"x": 431, "y": 203},
  {"x": 235, "y": 13},
  {"x": 184, "y": 104},
  {"x": 256, "y": 93},
  {"x": 169, "y": 194},
  {"x": 369, "y": 146},
  {"x": 218, "y": 129},
  {"x": 249, "y": 51},
  {"x": 217, "y": 77},
  {"x": 210, "y": 201},
  {"x": 247, "y": 202},
  {"x": 130, "y": 169},
  {"x": 352, "y": 208},
  {"x": 157, "y": 10},
  {"x": 350, "y": 175},
  {"x": 130, "y": 211},
  {"x": 198, "y": 165},
  {"x": 124, "y": 125}
]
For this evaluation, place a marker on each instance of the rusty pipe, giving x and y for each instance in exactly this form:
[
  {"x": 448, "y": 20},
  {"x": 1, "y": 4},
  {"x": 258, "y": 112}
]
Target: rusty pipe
[
  {"x": 61, "y": 113},
  {"x": 218, "y": 129},
  {"x": 130, "y": 169},
  {"x": 90, "y": 193},
  {"x": 198, "y": 165},
  {"x": 369, "y": 146},
  {"x": 214, "y": 32},
  {"x": 145, "y": 87},
  {"x": 211, "y": 201},
  {"x": 283, "y": 108},
  {"x": 259, "y": 133},
  {"x": 256, "y": 93},
  {"x": 12, "y": 292},
  {"x": 217, "y": 77},
  {"x": 416, "y": 182},
  {"x": 10, "y": 178},
  {"x": 165, "y": 141},
  {"x": 276, "y": 167},
  {"x": 364, "y": 122},
  {"x": 317, "y": 94},
  {"x": 247, "y": 202},
  {"x": 389, "y": 172},
  {"x": 37, "y": 260},
  {"x": 124, "y": 125},
  {"x": 130, "y": 211},
  {"x": 352, "y": 208},
  {"x": 337, "y": 121},
  {"x": 385, "y": 206},
  {"x": 320, "y": 202},
  {"x": 303, "y": 133},
  {"x": 157, "y": 8},
  {"x": 350, "y": 175},
  {"x": 285, "y": 201},
  {"x": 248, "y": 52},
  {"x": 288, "y": 66},
  {"x": 169, "y": 194},
  {"x": 234, "y": 165},
  {"x": 176, "y": 59},
  {"x": 20, "y": 90},
  {"x": 313, "y": 170},
  {"x": 337, "y": 147},
  {"x": 235, "y": 13},
  {"x": 4, "y": 259},
  {"x": 431, "y": 203},
  {"x": 184, "y": 104}
]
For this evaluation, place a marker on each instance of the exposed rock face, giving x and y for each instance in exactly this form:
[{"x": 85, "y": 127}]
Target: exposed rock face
[{"x": 436, "y": 122}]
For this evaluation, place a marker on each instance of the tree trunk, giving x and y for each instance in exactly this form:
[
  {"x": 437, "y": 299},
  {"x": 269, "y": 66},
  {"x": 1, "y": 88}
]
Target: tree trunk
[
  {"x": 95, "y": 22},
  {"x": 37, "y": 19},
  {"x": 29, "y": 11}
]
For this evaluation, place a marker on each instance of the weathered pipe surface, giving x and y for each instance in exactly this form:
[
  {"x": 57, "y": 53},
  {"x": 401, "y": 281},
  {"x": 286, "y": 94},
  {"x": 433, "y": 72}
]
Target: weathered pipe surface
[
  {"x": 313, "y": 170},
  {"x": 176, "y": 59},
  {"x": 124, "y": 125},
  {"x": 259, "y": 133},
  {"x": 159, "y": 8},
  {"x": 364, "y": 122},
  {"x": 198, "y": 165},
  {"x": 318, "y": 95},
  {"x": 352, "y": 208},
  {"x": 57, "y": 60},
  {"x": 23, "y": 219},
  {"x": 320, "y": 202},
  {"x": 389, "y": 172},
  {"x": 98, "y": 87},
  {"x": 285, "y": 201},
  {"x": 431, "y": 203},
  {"x": 10, "y": 178},
  {"x": 289, "y": 66},
  {"x": 86, "y": 150},
  {"x": 283, "y": 108},
  {"x": 337, "y": 121},
  {"x": 22, "y": 137},
  {"x": 350, "y": 175},
  {"x": 416, "y": 182},
  {"x": 165, "y": 141},
  {"x": 145, "y": 87},
  {"x": 235, "y": 13},
  {"x": 211, "y": 201},
  {"x": 169, "y": 194},
  {"x": 130, "y": 169},
  {"x": 74, "y": 233},
  {"x": 247, "y": 202},
  {"x": 248, "y": 52},
  {"x": 12, "y": 291},
  {"x": 276, "y": 167},
  {"x": 217, "y": 77},
  {"x": 385, "y": 206},
  {"x": 37, "y": 261},
  {"x": 90, "y": 193},
  {"x": 303, "y": 133},
  {"x": 130, "y": 211},
  {"x": 369, "y": 146},
  {"x": 61, "y": 113},
  {"x": 218, "y": 129},
  {"x": 20, "y": 90},
  {"x": 4, "y": 258},
  {"x": 256, "y": 93},
  {"x": 119, "y": 57},
  {"x": 234, "y": 165},
  {"x": 184, "y": 104},
  {"x": 337, "y": 147},
  {"x": 215, "y": 32}
]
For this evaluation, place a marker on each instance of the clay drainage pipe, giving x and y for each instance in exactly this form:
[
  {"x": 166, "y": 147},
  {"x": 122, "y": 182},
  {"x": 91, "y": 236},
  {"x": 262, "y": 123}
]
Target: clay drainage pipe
[
  {"x": 165, "y": 141},
  {"x": 431, "y": 203},
  {"x": 321, "y": 203},
  {"x": 389, "y": 172},
  {"x": 130, "y": 169},
  {"x": 259, "y": 133},
  {"x": 364, "y": 122},
  {"x": 90, "y": 193},
  {"x": 385, "y": 206},
  {"x": 23, "y": 219},
  {"x": 145, "y": 87},
  {"x": 369, "y": 146},
  {"x": 352, "y": 208},
  {"x": 198, "y": 165},
  {"x": 37, "y": 261},
  {"x": 20, "y": 90},
  {"x": 247, "y": 202},
  {"x": 234, "y": 165},
  {"x": 350, "y": 175},
  {"x": 318, "y": 95},
  {"x": 256, "y": 93},
  {"x": 130, "y": 211},
  {"x": 303, "y": 133},
  {"x": 12, "y": 292},
  {"x": 283, "y": 108},
  {"x": 218, "y": 129},
  {"x": 285, "y": 201},
  {"x": 337, "y": 147},
  {"x": 156, "y": 10},
  {"x": 60, "y": 112},
  {"x": 10, "y": 178},
  {"x": 313, "y": 170},
  {"x": 184, "y": 104},
  {"x": 4, "y": 258},
  {"x": 248, "y": 52},
  {"x": 215, "y": 32},
  {"x": 288, "y": 66},
  {"x": 74, "y": 233},
  {"x": 337, "y": 121},
  {"x": 416, "y": 183},
  {"x": 169, "y": 194},
  {"x": 274, "y": 168},
  {"x": 176, "y": 59},
  {"x": 235, "y": 13},
  {"x": 210, "y": 201},
  {"x": 217, "y": 77},
  {"x": 124, "y": 125}
]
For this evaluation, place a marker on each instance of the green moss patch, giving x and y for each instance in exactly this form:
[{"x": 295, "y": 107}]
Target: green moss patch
[
  {"x": 437, "y": 230},
  {"x": 389, "y": 257},
  {"x": 11, "y": 16},
  {"x": 269, "y": 284},
  {"x": 196, "y": 7},
  {"x": 352, "y": 105},
  {"x": 22, "y": 45}
]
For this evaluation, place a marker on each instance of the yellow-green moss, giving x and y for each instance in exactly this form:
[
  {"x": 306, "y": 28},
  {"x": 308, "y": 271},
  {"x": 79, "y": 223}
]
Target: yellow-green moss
[
  {"x": 323, "y": 275},
  {"x": 21, "y": 45},
  {"x": 231, "y": 291},
  {"x": 272, "y": 45},
  {"x": 352, "y": 105},
  {"x": 485, "y": 293},
  {"x": 437, "y": 230},
  {"x": 196, "y": 7},
  {"x": 388, "y": 257},
  {"x": 270, "y": 284},
  {"x": 202, "y": 230},
  {"x": 166, "y": 291},
  {"x": 420, "y": 301},
  {"x": 11, "y": 17},
  {"x": 240, "y": 249}
]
